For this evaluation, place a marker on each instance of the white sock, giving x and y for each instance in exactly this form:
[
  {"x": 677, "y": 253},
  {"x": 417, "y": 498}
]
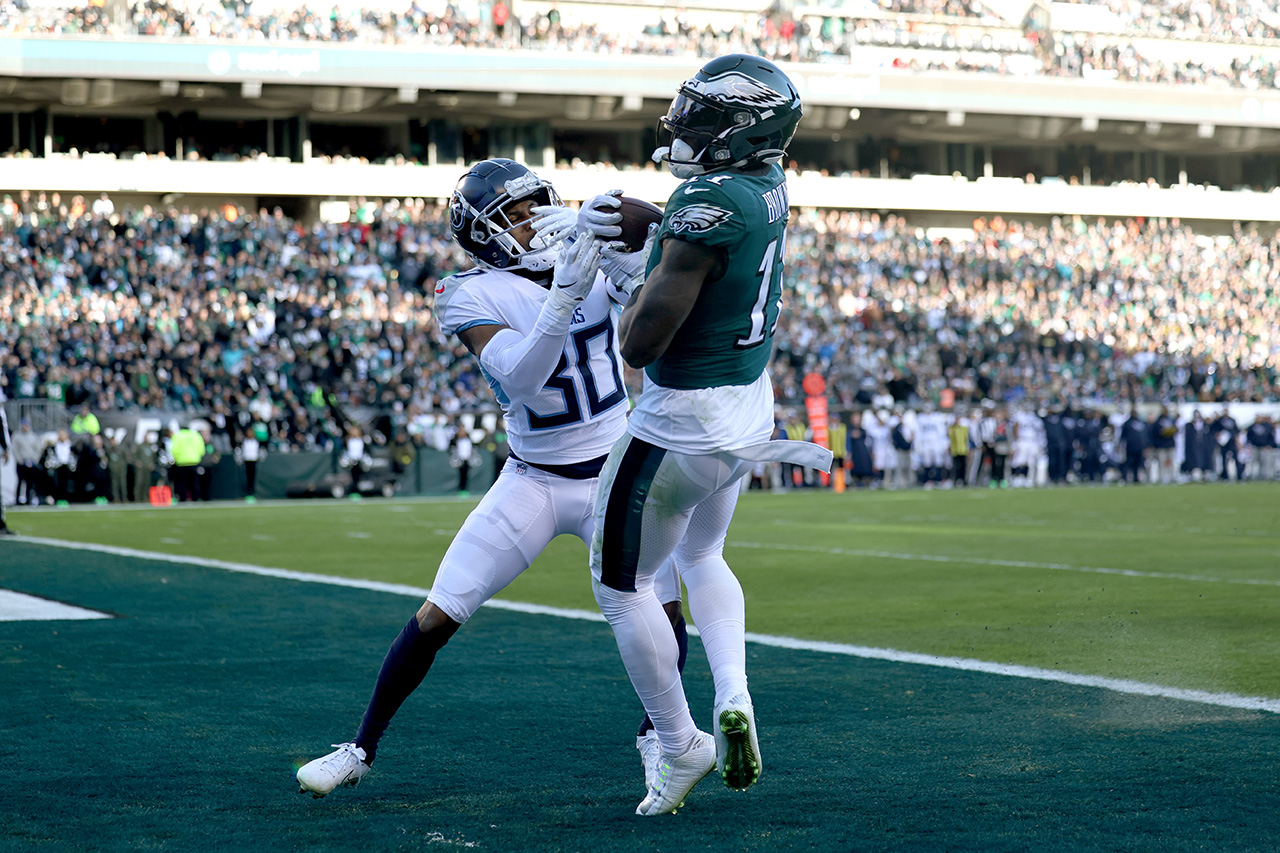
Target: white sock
[
  {"x": 650, "y": 654},
  {"x": 719, "y": 612}
]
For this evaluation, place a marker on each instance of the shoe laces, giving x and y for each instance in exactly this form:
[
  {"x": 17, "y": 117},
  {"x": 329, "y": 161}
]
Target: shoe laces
[
  {"x": 346, "y": 752},
  {"x": 650, "y": 746}
]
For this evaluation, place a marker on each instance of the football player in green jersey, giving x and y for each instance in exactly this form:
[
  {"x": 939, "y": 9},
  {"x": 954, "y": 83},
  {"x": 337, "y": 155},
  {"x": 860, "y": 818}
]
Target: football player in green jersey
[{"x": 700, "y": 319}]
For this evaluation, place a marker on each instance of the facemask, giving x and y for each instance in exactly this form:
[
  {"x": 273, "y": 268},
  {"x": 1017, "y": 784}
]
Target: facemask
[{"x": 679, "y": 150}]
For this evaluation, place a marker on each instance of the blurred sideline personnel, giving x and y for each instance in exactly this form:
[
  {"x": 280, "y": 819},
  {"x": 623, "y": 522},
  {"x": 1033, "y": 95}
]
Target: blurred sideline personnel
[
  {"x": 5, "y": 450},
  {"x": 700, "y": 321},
  {"x": 540, "y": 321}
]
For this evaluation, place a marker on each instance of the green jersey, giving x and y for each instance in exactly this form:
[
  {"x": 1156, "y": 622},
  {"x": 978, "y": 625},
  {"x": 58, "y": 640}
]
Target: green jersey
[{"x": 728, "y": 336}]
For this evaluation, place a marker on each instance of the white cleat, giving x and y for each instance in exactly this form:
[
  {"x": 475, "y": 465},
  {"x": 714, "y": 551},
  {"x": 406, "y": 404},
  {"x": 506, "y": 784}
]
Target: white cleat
[
  {"x": 737, "y": 746},
  {"x": 650, "y": 755},
  {"x": 344, "y": 767},
  {"x": 677, "y": 775}
]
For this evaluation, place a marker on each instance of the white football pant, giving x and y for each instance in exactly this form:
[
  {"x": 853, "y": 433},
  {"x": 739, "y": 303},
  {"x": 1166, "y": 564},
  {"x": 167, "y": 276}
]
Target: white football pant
[
  {"x": 655, "y": 504},
  {"x": 518, "y": 517}
]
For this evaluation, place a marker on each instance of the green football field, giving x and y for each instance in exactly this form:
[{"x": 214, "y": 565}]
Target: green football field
[{"x": 1059, "y": 669}]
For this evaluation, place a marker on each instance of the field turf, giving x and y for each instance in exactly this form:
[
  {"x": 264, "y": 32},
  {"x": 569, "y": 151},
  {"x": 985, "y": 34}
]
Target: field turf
[{"x": 178, "y": 724}]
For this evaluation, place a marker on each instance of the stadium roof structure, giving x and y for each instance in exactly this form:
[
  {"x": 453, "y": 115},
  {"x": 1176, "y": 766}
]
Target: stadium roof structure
[{"x": 68, "y": 77}]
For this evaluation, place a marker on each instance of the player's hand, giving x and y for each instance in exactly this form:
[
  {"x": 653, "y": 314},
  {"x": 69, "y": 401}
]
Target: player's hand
[
  {"x": 599, "y": 215},
  {"x": 626, "y": 269},
  {"x": 553, "y": 223},
  {"x": 575, "y": 274}
]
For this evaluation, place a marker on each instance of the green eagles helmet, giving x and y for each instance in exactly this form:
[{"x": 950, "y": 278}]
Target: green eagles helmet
[{"x": 739, "y": 111}]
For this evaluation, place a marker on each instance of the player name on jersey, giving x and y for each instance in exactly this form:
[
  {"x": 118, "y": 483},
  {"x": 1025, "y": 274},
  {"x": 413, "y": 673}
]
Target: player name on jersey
[{"x": 776, "y": 203}]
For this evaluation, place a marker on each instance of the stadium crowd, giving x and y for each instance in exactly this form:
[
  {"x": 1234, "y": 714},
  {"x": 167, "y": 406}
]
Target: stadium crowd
[
  {"x": 923, "y": 33},
  {"x": 253, "y": 317}
]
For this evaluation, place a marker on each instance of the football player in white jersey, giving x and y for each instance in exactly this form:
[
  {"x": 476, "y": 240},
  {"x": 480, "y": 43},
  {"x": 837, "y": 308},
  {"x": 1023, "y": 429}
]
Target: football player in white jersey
[
  {"x": 539, "y": 319},
  {"x": 932, "y": 445}
]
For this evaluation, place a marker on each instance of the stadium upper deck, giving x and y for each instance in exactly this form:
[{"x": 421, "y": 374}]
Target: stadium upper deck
[{"x": 1052, "y": 107}]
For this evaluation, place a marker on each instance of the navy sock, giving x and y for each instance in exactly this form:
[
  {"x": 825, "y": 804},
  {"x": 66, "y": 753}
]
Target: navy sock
[
  {"x": 404, "y": 667},
  {"x": 682, "y": 640}
]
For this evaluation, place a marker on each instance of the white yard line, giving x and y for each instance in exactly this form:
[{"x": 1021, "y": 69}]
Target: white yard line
[
  {"x": 983, "y": 561},
  {"x": 1118, "y": 685}
]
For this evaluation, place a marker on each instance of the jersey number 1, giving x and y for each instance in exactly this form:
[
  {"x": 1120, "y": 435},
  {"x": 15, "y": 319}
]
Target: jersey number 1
[{"x": 770, "y": 274}]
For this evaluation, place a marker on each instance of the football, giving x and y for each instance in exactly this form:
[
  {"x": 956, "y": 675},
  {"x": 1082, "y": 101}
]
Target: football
[{"x": 637, "y": 216}]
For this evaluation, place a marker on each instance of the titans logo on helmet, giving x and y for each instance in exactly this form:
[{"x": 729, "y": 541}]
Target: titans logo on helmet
[
  {"x": 457, "y": 212},
  {"x": 697, "y": 218}
]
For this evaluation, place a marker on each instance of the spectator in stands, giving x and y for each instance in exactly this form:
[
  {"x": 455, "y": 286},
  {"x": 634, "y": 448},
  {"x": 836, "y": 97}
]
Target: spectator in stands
[
  {"x": 928, "y": 39},
  {"x": 85, "y": 423}
]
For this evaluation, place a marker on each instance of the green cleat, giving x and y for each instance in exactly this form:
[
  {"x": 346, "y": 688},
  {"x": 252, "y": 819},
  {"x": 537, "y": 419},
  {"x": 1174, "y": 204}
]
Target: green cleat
[{"x": 737, "y": 745}]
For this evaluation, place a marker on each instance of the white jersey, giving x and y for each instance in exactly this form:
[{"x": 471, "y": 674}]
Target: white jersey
[
  {"x": 704, "y": 420},
  {"x": 880, "y": 434},
  {"x": 932, "y": 443},
  {"x": 582, "y": 409},
  {"x": 1028, "y": 439}
]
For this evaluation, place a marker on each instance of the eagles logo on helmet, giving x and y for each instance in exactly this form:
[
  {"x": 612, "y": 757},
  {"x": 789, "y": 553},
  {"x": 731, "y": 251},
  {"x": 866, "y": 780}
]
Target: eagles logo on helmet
[
  {"x": 738, "y": 112},
  {"x": 478, "y": 218}
]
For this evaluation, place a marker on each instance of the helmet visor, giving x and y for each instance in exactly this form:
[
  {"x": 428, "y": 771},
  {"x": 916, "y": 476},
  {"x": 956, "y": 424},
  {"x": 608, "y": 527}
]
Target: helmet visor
[{"x": 698, "y": 121}]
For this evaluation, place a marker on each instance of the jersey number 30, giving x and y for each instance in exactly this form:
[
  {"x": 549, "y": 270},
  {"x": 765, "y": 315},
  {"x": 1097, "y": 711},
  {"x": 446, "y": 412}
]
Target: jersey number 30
[{"x": 562, "y": 381}]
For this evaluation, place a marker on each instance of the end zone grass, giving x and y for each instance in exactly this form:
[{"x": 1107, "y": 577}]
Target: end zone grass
[{"x": 1178, "y": 586}]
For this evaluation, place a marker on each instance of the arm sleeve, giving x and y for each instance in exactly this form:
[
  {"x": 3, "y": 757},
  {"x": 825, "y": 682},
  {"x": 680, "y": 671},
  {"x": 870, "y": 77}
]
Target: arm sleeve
[{"x": 522, "y": 364}]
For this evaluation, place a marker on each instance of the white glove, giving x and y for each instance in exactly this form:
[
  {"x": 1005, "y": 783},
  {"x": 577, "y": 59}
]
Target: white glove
[
  {"x": 599, "y": 215},
  {"x": 575, "y": 275},
  {"x": 554, "y": 223},
  {"x": 624, "y": 269}
]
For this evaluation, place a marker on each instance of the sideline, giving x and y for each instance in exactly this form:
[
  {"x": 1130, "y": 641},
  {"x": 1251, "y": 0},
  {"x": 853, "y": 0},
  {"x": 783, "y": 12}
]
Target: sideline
[
  {"x": 267, "y": 503},
  {"x": 1117, "y": 685}
]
